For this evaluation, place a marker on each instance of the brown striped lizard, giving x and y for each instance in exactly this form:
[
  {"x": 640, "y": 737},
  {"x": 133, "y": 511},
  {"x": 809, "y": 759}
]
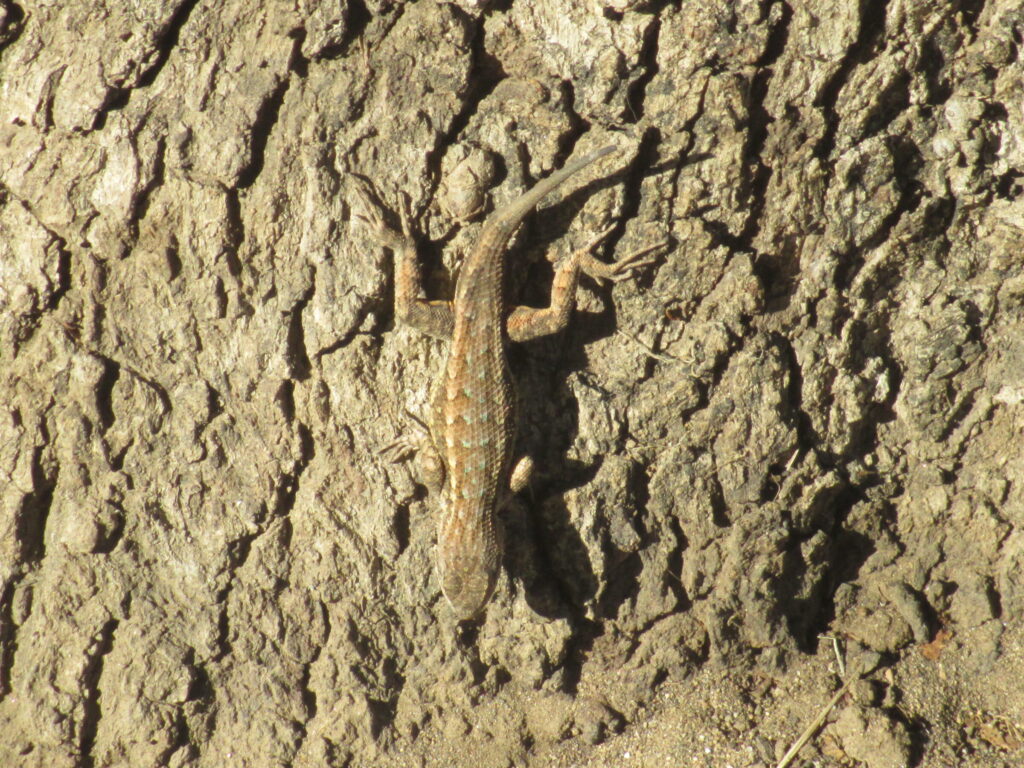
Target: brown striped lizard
[{"x": 472, "y": 429}]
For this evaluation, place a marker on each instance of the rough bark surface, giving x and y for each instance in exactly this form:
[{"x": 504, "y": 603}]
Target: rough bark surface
[{"x": 806, "y": 419}]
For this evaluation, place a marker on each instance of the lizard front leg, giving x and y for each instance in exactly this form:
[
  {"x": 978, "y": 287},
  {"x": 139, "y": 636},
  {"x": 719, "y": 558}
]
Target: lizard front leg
[
  {"x": 422, "y": 448},
  {"x": 522, "y": 472}
]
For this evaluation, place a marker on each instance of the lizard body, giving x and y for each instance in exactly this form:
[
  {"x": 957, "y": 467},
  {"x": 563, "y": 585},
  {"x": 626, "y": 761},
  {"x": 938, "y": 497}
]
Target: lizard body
[{"x": 472, "y": 428}]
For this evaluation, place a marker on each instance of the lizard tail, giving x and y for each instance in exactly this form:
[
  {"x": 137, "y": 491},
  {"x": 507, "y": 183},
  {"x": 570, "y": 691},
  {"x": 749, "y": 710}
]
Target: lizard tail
[{"x": 508, "y": 218}]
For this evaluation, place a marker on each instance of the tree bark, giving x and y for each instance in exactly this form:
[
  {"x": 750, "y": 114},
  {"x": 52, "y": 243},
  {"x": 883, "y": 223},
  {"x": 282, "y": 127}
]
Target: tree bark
[{"x": 804, "y": 419}]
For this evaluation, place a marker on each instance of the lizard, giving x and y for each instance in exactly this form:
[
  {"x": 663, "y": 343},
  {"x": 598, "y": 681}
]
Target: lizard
[{"x": 469, "y": 450}]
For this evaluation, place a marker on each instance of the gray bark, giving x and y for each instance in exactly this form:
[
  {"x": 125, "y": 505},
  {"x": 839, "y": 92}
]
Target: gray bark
[{"x": 806, "y": 418}]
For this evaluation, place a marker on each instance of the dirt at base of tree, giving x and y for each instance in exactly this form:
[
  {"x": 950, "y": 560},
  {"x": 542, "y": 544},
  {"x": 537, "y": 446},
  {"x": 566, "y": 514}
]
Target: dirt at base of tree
[{"x": 785, "y": 460}]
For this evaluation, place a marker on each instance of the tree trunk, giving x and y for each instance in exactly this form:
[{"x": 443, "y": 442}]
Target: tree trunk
[{"x": 804, "y": 419}]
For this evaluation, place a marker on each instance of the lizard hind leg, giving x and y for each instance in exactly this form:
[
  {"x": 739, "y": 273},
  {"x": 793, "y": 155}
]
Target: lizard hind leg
[
  {"x": 525, "y": 323},
  {"x": 433, "y": 318}
]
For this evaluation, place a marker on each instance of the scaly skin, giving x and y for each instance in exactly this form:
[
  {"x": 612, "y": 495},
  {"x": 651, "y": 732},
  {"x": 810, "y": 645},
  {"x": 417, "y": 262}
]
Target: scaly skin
[
  {"x": 472, "y": 429},
  {"x": 478, "y": 426}
]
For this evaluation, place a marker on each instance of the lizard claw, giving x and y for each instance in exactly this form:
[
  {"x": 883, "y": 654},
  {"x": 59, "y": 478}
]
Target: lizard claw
[
  {"x": 624, "y": 268},
  {"x": 407, "y": 445},
  {"x": 402, "y": 449},
  {"x": 365, "y": 208},
  {"x": 370, "y": 213},
  {"x": 405, "y": 216},
  {"x": 428, "y": 461}
]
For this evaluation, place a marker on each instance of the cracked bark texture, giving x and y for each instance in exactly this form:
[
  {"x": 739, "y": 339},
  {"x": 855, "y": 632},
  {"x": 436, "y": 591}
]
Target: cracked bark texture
[{"x": 807, "y": 418}]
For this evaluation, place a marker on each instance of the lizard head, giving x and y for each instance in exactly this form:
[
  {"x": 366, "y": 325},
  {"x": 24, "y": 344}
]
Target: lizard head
[{"x": 469, "y": 556}]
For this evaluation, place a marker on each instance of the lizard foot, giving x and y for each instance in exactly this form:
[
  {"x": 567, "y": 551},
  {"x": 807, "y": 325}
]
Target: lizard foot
[
  {"x": 370, "y": 213},
  {"x": 429, "y": 464},
  {"x": 624, "y": 268},
  {"x": 402, "y": 449}
]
